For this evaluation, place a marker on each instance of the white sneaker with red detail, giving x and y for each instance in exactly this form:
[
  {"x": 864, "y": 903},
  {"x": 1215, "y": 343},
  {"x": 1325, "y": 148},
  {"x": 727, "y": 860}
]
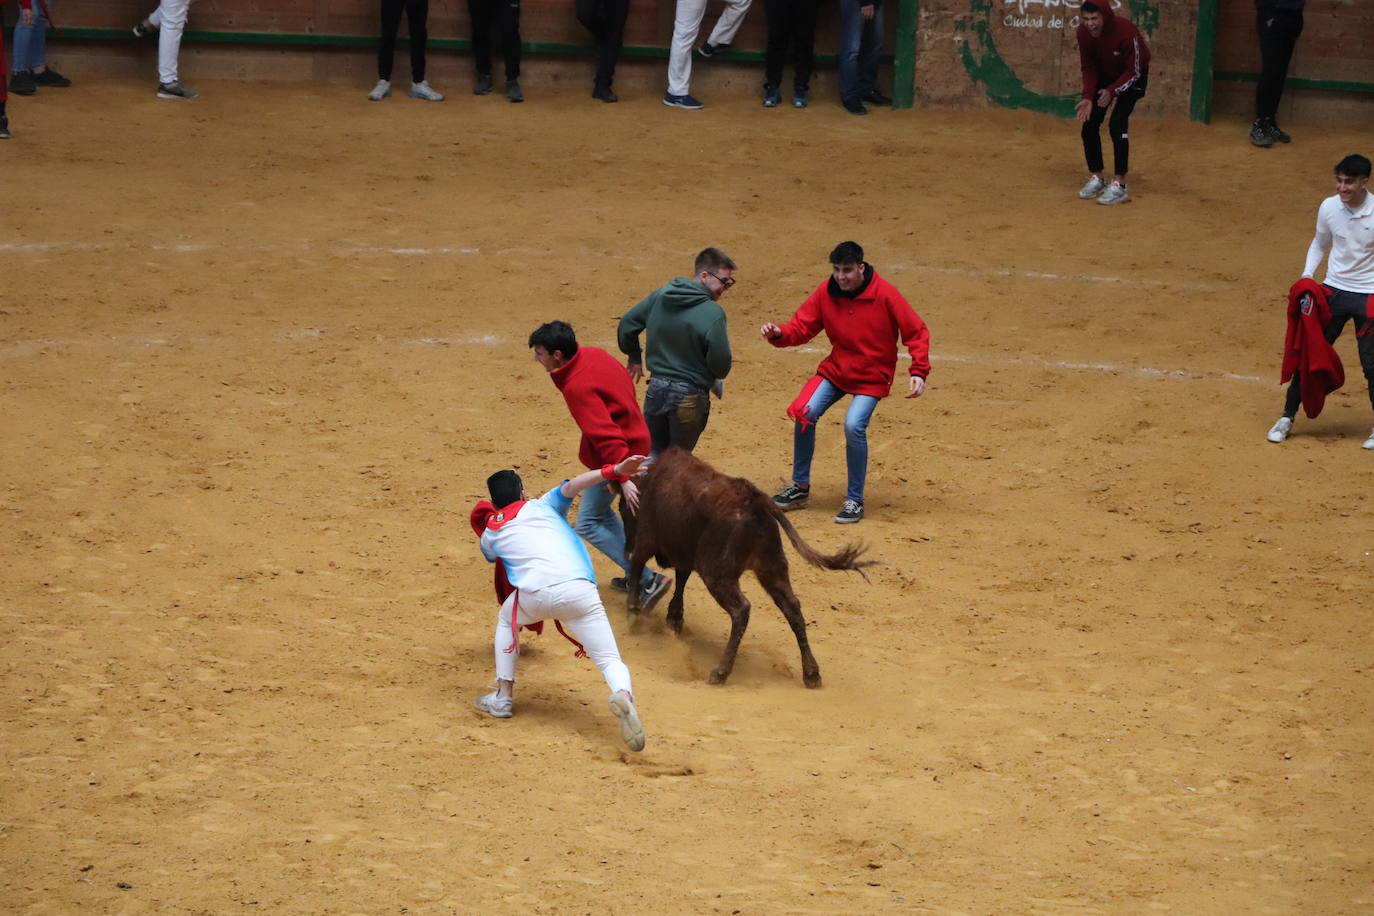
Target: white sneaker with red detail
[{"x": 493, "y": 704}]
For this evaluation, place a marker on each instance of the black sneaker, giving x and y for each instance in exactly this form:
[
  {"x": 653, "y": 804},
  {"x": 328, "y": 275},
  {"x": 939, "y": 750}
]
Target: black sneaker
[
  {"x": 175, "y": 91},
  {"x": 4, "y": 128},
  {"x": 618, "y": 583},
  {"x": 483, "y": 84},
  {"x": 1259, "y": 134},
  {"x": 854, "y": 106},
  {"x": 709, "y": 50},
  {"x": 22, "y": 83},
  {"x": 50, "y": 78},
  {"x": 513, "y": 93},
  {"x": 850, "y": 512},
  {"x": 874, "y": 97},
  {"x": 1278, "y": 133},
  {"x": 652, "y": 592},
  {"x": 792, "y": 497},
  {"x": 605, "y": 94},
  {"x": 144, "y": 29}
]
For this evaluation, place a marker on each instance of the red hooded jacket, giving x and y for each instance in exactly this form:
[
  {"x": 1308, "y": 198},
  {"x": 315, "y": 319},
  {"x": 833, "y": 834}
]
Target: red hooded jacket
[
  {"x": 1117, "y": 60},
  {"x": 601, "y": 398},
  {"x": 863, "y": 334},
  {"x": 1305, "y": 350}
]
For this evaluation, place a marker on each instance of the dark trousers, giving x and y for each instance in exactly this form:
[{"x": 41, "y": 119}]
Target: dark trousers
[
  {"x": 417, "y": 14},
  {"x": 1118, "y": 127},
  {"x": 791, "y": 28},
  {"x": 1278, "y": 35},
  {"x": 1356, "y": 307},
  {"x": 676, "y": 414},
  {"x": 506, "y": 14},
  {"x": 605, "y": 19}
]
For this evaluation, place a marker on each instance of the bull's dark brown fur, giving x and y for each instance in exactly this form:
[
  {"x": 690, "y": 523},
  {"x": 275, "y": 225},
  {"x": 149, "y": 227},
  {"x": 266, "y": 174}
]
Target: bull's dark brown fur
[{"x": 695, "y": 519}]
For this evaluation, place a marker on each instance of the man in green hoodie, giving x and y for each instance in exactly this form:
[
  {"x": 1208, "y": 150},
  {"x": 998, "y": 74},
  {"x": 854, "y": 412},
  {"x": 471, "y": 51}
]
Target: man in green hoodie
[{"x": 688, "y": 350}]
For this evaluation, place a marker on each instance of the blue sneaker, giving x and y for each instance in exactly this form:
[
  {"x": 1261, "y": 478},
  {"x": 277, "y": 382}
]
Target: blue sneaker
[
  {"x": 772, "y": 98},
  {"x": 681, "y": 101},
  {"x": 799, "y": 100}
]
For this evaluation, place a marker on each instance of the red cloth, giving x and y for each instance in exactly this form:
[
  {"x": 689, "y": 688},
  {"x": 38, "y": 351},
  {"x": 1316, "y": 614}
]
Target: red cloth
[
  {"x": 863, "y": 334},
  {"x": 601, "y": 398},
  {"x": 1114, "y": 61},
  {"x": 1306, "y": 353},
  {"x": 797, "y": 409}
]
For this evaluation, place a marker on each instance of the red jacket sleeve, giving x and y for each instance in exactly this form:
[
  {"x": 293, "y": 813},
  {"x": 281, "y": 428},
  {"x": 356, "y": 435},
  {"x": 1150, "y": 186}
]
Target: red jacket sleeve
[
  {"x": 804, "y": 324},
  {"x": 1134, "y": 62},
  {"x": 1087, "y": 59},
  {"x": 600, "y": 429},
  {"x": 915, "y": 334}
]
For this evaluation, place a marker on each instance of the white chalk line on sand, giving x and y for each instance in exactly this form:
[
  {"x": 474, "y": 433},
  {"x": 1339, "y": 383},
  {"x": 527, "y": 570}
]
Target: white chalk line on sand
[
  {"x": 358, "y": 250},
  {"x": 26, "y": 347}
]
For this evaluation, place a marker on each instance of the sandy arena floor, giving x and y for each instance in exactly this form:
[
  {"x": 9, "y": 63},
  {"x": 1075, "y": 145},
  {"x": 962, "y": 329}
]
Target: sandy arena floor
[{"x": 260, "y": 352}]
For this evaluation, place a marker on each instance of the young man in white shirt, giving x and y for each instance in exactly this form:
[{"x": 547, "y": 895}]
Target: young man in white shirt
[
  {"x": 551, "y": 574},
  {"x": 1345, "y": 224}
]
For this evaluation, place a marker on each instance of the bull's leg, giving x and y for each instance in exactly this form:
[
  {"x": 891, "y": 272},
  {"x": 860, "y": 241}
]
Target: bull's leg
[
  {"x": 674, "y": 618},
  {"x": 638, "y": 557},
  {"x": 780, "y": 590},
  {"x": 727, "y": 593}
]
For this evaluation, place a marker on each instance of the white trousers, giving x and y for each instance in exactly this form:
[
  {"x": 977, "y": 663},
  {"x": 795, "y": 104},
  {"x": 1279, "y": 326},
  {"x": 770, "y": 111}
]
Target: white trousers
[
  {"x": 686, "y": 25},
  {"x": 578, "y": 604},
  {"x": 170, "y": 20}
]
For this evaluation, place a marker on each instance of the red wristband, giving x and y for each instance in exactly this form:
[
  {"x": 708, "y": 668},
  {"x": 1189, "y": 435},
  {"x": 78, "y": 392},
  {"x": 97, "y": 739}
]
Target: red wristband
[{"x": 608, "y": 472}]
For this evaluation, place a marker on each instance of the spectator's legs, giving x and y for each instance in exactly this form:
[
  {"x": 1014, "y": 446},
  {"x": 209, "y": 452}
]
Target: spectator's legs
[
  {"x": 1092, "y": 138},
  {"x": 30, "y": 42},
  {"x": 481, "y": 13},
  {"x": 605, "y": 19},
  {"x": 1119, "y": 128},
  {"x": 870, "y": 52},
  {"x": 780, "y": 32},
  {"x": 172, "y": 21},
  {"x": 508, "y": 20},
  {"x": 1278, "y": 35},
  {"x": 851, "y": 37},
  {"x": 686, "y": 24},
  {"x": 391, "y": 24},
  {"x": 804, "y": 440},
  {"x": 803, "y": 43},
  {"x": 731, "y": 18},
  {"x": 600, "y": 526},
  {"x": 417, "y": 20},
  {"x": 856, "y": 443}
]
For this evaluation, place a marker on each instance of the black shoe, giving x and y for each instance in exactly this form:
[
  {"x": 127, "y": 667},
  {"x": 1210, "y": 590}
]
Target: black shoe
[
  {"x": 850, "y": 512},
  {"x": 4, "y": 128},
  {"x": 709, "y": 50},
  {"x": 618, "y": 583},
  {"x": 1259, "y": 134},
  {"x": 792, "y": 497},
  {"x": 513, "y": 93},
  {"x": 655, "y": 590},
  {"x": 144, "y": 29},
  {"x": 22, "y": 83},
  {"x": 483, "y": 84},
  {"x": 874, "y": 97},
  {"x": 854, "y": 106},
  {"x": 51, "y": 78},
  {"x": 605, "y": 94},
  {"x": 1278, "y": 133}
]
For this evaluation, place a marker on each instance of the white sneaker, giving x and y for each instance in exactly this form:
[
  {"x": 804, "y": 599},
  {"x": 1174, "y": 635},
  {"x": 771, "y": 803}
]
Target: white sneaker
[
  {"x": 421, "y": 90},
  {"x": 1369, "y": 443},
  {"x": 380, "y": 91},
  {"x": 1280, "y": 430},
  {"x": 493, "y": 704},
  {"x": 1094, "y": 187},
  {"x": 1115, "y": 194},
  {"x": 631, "y": 729}
]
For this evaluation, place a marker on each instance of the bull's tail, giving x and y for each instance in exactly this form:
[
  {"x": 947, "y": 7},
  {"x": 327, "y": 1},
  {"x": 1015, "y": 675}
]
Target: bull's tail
[{"x": 847, "y": 558}]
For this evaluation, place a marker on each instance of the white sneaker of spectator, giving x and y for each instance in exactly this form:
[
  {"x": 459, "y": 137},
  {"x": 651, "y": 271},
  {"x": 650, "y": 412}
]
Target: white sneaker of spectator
[
  {"x": 422, "y": 90},
  {"x": 380, "y": 91}
]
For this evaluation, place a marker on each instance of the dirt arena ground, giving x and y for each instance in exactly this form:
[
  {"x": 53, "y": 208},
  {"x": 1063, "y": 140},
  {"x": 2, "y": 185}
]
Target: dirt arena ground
[{"x": 261, "y": 351}]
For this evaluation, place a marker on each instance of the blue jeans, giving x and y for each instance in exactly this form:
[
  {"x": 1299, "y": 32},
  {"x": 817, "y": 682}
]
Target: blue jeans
[
  {"x": 855, "y": 437},
  {"x": 676, "y": 414},
  {"x": 600, "y": 525},
  {"x": 30, "y": 43},
  {"x": 861, "y": 48}
]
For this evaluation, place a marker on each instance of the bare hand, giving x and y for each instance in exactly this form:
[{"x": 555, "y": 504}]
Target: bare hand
[
  {"x": 1082, "y": 110},
  {"x": 1104, "y": 98},
  {"x": 636, "y": 370},
  {"x": 27, "y": 17},
  {"x": 770, "y": 331},
  {"x": 867, "y": 11},
  {"x": 916, "y": 387},
  {"x": 630, "y": 492},
  {"x": 631, "y": 466}
]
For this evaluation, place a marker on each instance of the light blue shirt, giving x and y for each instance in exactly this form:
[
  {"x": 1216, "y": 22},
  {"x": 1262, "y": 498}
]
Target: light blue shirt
[{"x": 538, "y": 546}]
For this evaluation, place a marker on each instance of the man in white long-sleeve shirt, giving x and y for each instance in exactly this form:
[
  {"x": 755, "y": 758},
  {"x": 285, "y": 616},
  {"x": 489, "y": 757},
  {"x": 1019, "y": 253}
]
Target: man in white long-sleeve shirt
[
  {"x": 551, "y": 576},
  {"x": 1345, "y": 225}
]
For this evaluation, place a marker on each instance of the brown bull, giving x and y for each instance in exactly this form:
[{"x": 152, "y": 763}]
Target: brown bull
[{"x": 695, "y": 519}]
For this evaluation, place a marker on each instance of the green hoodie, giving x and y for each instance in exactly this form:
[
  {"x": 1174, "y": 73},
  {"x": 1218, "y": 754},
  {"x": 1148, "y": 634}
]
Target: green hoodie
[{"x": 687, "y": 338}]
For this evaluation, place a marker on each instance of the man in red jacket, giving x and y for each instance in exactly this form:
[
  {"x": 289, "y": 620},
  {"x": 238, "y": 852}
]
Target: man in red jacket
[
  {"x": 1116, "y": 68},
  {"x": 864, "y": 316},
  {"x": 601, "y": 398}
]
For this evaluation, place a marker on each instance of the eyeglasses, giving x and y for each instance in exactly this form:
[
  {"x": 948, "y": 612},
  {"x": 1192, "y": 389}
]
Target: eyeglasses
[{"x": 726, "y": 282}]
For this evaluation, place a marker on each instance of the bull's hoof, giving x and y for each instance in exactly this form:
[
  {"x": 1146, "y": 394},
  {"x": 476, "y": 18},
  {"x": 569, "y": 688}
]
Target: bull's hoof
[
  {"x": 718, "y": 676},
  {"x": 812, "y": 680},
  {"x": 675, "y": 624},
  {"x": 632, "y": 604}
]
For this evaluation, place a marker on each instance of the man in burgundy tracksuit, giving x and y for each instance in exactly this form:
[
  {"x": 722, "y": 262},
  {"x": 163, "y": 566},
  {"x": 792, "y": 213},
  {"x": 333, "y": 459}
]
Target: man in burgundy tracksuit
[
  {"x": 601, "y": 398},
  {"x": 26, "y": 12},
  {"x": 864, "y": 316},
  {"x": 1116, "y": 68}
]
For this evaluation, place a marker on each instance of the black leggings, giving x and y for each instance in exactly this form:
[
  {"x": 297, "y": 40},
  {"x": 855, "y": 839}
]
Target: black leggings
[
  {"x": 1117, "y": 126},
  {"x": 417, "y": 14},
  {"x": 1278, "y": 34},
  {"x": 791, "y": 27},
  {"x": 506, "y": 13},
  {"x": 605, "y": 19},
  {"x": 1356, "y": 307}
]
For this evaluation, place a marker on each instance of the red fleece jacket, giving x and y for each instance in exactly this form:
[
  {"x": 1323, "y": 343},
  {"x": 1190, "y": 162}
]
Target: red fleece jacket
[
  {"x": 601, "y": 398},
  {"x": 1116, "y": 60},
  {"x": 1305, "y": 350},
  {"x": 863, "y": 334}
]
